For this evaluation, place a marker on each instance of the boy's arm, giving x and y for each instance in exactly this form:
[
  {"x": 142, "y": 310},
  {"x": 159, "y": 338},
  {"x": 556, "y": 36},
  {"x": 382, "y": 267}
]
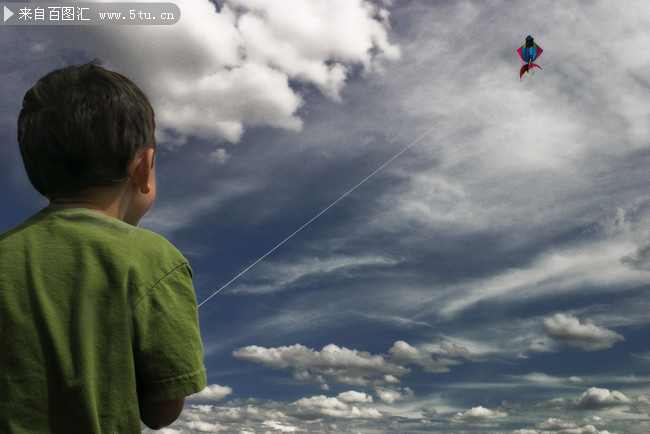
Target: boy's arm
[
  {"x": 157, "y": 415},
  {"x": 167, "y": 346}
]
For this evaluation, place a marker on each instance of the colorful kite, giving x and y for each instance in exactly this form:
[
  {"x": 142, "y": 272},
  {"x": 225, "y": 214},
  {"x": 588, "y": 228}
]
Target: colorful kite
[{"x": 529, "y": 52}]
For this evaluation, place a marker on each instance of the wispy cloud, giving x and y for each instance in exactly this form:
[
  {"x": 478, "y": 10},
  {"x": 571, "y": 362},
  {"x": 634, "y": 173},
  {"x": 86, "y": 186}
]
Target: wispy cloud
[
  {"x": 555, "y": 271},
  {"x": 301, "y": 273},
  {"x": 639, "y": 260}
]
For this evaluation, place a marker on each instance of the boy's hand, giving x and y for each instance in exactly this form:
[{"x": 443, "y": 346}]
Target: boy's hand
[{"x": 157, "y": 415}]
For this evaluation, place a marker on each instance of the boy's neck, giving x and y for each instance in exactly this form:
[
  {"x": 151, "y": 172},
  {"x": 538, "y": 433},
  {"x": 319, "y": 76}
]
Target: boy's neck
[
  {"x": 80, "y": 203},
  {"x": 73, "y": 202},
  {"x": 108, "y": 201}
]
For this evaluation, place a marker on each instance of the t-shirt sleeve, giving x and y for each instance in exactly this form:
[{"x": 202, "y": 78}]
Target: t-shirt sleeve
[{"x": 167, "y": 344}]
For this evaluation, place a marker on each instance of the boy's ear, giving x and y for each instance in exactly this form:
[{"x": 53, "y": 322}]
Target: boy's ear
[{"x": 143, "y": 170}]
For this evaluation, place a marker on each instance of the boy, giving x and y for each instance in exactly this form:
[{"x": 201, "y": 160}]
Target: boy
[{"x": 98, "y": 319}]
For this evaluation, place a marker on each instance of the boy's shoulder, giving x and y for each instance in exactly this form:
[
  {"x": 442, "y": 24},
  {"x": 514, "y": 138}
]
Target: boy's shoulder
[{"x": 71, "y": 226}]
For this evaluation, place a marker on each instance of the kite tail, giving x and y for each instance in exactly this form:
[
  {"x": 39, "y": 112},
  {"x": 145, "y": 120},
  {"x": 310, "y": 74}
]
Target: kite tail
[{"x": 525, "y": 69}]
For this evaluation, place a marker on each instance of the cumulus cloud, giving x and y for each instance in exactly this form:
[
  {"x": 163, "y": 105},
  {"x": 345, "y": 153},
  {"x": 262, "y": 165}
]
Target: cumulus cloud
[
  {"x": 315, "y": 413},
  {"x": 212, "y": 392},
  {"x": 552, "y": 425},
  {"x": 388, "y": 395},
  {"x": 589, "y": 337},
  {"x": 278, "y": 426},
  {"x": 349, "y": 366},
  {"x": 351, "y": 410},
  {"x": 233, "y": 416},
  {"x": 299, "y": 37},
  {"x": 217, "y": 72},
  {"x": 478, "y": 417},
  {"x": 594, "y": 398},
  {"x": 352, "y": 397},
  {"x": 555, "y": 424},
  {"x": 318, "y": 407},
  {"x": 332, "y": 362}
]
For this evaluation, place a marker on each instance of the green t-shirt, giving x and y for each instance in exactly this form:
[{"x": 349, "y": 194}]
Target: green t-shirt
[{"x": 94, "y": 314}]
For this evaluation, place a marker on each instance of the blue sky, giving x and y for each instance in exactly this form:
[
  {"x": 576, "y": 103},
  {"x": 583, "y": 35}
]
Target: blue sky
[{"x": 494, "y": 277}]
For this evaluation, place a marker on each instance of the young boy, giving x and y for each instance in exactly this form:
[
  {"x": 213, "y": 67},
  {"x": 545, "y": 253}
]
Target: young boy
[{"x": 98, "y": 319}]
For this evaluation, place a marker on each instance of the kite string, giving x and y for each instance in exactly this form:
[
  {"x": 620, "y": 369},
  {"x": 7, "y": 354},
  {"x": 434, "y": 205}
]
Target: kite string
[{"x": 319, "y": 214}]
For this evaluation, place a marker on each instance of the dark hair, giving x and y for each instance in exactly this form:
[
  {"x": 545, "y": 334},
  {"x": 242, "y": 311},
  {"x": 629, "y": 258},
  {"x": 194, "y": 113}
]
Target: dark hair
[{"x": 80, "y": 126}]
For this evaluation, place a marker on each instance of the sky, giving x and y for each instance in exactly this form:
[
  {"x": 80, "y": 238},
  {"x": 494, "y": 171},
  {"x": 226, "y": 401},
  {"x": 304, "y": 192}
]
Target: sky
[{"x": 493, "y": 277}]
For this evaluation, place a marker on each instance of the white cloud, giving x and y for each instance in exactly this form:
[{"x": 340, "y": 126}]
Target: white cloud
[
  {"x": 318, "y": 407},
  {"x": 478, "y": 417},
  {"x": 391, "y": 379},
  {"x": 402, "y": 353},
  {"x": 278, "y": 426},
  {"x": 388, "y": 395},
  {"x": 589, "y": 337},
  {"x": 213, "y": 74},
  {"x": 333, "y": 363},
  {"x": 576, "y": 380},
  {"x": 354, "y": 397},
  {"x": 555, "y": 424},
  {"x": 352, "y": 410},
  {"x": 212, "y": 392},
  {"x": 221, "y": 104},
  {"x": 234, "y": 416},
  {"x": 594, "y": 398},
  {"x": 298, "y": 35},
  {"x": 206, "y": 427},
  {"x": 552, "y": 425}
]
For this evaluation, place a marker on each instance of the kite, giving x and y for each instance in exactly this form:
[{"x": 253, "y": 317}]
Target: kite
[{"x": 529, "y": 52}]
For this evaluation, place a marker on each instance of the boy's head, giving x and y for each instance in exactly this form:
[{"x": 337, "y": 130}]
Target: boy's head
[{"x": 79, "y": 127}]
